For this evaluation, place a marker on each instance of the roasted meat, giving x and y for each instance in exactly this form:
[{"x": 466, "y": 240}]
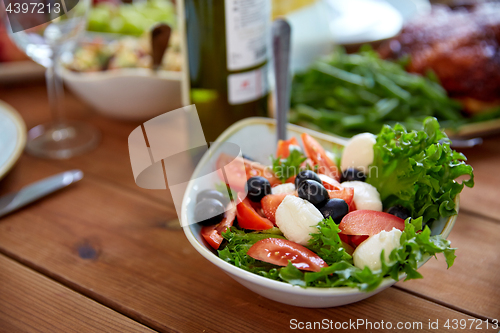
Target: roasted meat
[{"x": 461, "y": 46}]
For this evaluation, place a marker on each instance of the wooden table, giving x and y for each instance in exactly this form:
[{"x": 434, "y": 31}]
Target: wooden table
[{"x": 100, "y": 256}]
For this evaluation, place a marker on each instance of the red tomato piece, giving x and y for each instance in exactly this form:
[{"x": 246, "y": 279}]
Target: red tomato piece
[
  {"x": 270, "y": 204},
  {"x": 344, "y": 193},
  {"x": 283, "y": 149},
  {"x": 329, "y": 183},
  {"x": 369, "y": 222},
  {"x": 213, "y": 233},
  {"x": 248, "y": 218},
  {"x": 357, "y": 239},
  {"x": 239, "y": 170},
  {"x": 279, "y": 251},
  {"x": 318, "y": 155}
]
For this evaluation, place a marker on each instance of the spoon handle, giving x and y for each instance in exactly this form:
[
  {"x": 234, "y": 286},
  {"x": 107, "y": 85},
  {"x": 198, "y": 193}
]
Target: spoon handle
[
  {"x": 160, "y": 36},
  {"x": 281, "y": 52}
]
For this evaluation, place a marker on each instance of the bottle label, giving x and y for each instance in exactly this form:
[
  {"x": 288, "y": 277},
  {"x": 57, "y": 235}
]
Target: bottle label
[
  {"x": 247, "y": 29},
  {"x": 247, "y": 86}
]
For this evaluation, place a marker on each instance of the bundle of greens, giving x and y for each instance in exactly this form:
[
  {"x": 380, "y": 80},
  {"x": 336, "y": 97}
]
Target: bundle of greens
[
  {"x": 347, "y": 94},
  {"x": 417, "y": 170}
]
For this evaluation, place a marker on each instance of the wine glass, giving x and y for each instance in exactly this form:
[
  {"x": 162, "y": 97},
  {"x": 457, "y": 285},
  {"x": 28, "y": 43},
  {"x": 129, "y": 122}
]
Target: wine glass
[{"x": 41, "y": 28}]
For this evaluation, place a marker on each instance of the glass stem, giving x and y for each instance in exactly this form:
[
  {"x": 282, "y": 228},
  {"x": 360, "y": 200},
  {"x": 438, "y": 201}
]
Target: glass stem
[{"x": 55, "y": 90}]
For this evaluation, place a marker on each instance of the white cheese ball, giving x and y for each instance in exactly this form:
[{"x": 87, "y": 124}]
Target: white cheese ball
[
  {"x": 297, "y": 219},
  {"x": 368, "y": 252},
  {"x": 366, "y": 196},
  {"x": 358, "y": 153},
  {"x": 287, "y": 188}
]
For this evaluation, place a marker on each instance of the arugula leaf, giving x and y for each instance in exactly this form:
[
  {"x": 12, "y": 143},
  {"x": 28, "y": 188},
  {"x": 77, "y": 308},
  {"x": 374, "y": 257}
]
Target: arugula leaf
[
  {"x": 417, "y": 170},
  {"x": 285, "y": 168}
]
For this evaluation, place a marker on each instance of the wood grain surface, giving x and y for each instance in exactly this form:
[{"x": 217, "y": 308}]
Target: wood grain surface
[
  {"x": 109, "y": 240},
  {"x": 31, "y": 302}
]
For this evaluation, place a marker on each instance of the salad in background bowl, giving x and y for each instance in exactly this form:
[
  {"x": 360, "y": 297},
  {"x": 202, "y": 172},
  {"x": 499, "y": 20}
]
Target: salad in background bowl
[
  {"x": 115, "y": 77},
  {"x": 305, "y": 232}
]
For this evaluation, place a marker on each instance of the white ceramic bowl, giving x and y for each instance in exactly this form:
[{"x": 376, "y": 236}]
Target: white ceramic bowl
[
  {"x": 127, "y": 94},
  {"x": 256, "y": 138}
]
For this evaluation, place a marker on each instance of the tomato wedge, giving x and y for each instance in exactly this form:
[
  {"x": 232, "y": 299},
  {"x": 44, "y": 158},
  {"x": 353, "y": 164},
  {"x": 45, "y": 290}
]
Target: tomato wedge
[
  {"x": 283, "y": 149},
  {"x": 358, "y": 239},
  {"x": 329, "y": 183},
  {"x": 318, "y": 155},
  {"x": 270, "y": 204},
  {"x": 279, "y": 251},
  {"x": 344, "y": 193},
  {"x": 238, "y": 170},
  {"x": 213, "y": 233},
  {"x": 369, "y": 222},
  {"x": 248, "y": 218}
]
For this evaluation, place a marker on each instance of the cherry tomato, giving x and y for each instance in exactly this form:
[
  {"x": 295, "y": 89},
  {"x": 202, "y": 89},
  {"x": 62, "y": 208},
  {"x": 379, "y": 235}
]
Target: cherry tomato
[
  {"x": 344, "y": 193},
  {"x": 248, "y": 218},
  {"x": 270, "y": 204},
  {"x": 329, "y": 183},
  {"x": 213, "y": 233},
  {"x": 369, "y": 222},
  {"x": 239, "y": 170},
  {"x": 279, "y": 251},
  {"x": 283, "y": 149},
  {"x": 318, "y": 155}
]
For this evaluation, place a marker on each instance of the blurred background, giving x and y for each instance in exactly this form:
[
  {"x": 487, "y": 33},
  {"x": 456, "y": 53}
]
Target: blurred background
[{"x": 368, "y": 48}]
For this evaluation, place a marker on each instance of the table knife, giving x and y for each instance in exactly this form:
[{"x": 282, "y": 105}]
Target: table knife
[{"x": 13, "y": 201}]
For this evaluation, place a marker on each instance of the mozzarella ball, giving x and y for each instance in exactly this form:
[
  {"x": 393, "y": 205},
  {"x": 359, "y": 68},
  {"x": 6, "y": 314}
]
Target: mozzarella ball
[
  {"x": 358, "y": 153},
  {"x": 368, "y": 252},
  {"x": 366, "y": 195},
  {"x": 287, "y": 188},
  {"x": 297, "y": 219}
]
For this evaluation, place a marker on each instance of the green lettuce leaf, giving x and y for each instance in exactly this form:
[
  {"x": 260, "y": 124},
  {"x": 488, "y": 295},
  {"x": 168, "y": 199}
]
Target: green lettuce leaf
[
  {"x": 418, "y": 170},
  {"x": 285, "y": 168},
  {"x": 416, "y": 246}
]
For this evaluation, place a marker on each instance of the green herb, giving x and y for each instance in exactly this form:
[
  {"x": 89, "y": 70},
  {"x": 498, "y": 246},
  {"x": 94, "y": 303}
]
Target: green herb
[
  {"x": 226, "y": 190},
  {"x": 285, "y": 168},
  {"x": 417, "y": 170},
  {"x": 415, "y": 247},
  {"x": 327, "y": 243},
  {"x": 347, "y": 94},
  {"x": 238, "y": 244}
]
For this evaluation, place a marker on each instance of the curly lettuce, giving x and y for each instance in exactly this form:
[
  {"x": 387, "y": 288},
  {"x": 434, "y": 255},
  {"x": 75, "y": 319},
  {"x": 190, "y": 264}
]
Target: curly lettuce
[
  {"x": 418, "y": 170},
  {"x": 416, "y": 246}
]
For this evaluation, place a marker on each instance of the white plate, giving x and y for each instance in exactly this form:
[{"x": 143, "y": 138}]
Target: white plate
[{"x": 12, "y": 137}]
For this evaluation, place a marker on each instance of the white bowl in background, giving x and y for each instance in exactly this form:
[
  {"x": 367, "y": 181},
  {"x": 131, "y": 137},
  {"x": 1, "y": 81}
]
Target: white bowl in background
[
  {"x": 127, "y": 94},
  {"x": 256, "y": 137}
]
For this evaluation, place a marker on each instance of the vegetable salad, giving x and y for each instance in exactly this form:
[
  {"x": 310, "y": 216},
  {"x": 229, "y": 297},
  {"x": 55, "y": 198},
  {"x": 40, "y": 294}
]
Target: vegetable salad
[{"x": 313, "y": 220}]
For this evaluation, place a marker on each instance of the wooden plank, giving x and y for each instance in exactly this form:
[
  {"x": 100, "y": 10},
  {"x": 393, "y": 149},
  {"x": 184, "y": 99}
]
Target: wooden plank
[
  {"x": 472, "y": 283},
  {"x": 482, "y": 199},
  {"x": 107, "y": 239},
  {"x": 30, "y": 302}
]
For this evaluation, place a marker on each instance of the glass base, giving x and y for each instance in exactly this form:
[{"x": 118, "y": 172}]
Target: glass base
[{"x": 61, "y": 141}]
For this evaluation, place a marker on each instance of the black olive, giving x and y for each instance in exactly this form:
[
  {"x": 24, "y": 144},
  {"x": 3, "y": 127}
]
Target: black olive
[
  {"x": 313, "y": 192},
  {"x": 336, "y": 209},
  {"x": 306, "y": 174},
  {"x": 212, "y": 194},
  {"x": 399, "y": 211},
  {"x": 209, "y": 211},
  {"x": 258, "y": 187},
  {"x": 352, "y": 174}
]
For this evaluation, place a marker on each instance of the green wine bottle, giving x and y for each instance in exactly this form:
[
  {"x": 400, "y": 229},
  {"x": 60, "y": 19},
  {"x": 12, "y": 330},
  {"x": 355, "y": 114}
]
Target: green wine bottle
[{"x": 228, "y": 49}]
